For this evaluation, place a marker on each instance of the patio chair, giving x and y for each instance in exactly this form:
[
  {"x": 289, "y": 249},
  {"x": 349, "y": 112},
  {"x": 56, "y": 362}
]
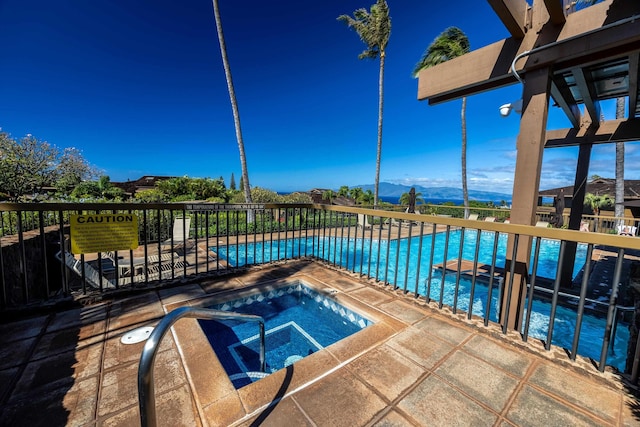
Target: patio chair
[
  {"x": 363, "y": 221},
  {"x": 473, "y": 217},
  {"x": 180, "y": 233},
  {"x": 92, "y": 277},
  {"x": 627, "y": 230},
  {"x": 124, "y": 263},
  {"x": 490, "y": 219}
]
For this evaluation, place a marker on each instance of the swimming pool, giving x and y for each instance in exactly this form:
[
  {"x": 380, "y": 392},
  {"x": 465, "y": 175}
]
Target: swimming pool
[
  {"x": 408, "y": 271},
  {"x": 370, "y": 256},
  {"x": 298, "y": 322}
]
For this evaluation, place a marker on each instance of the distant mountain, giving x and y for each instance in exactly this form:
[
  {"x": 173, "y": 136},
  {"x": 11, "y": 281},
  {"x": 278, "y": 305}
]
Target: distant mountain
[{"x": 387, "y": 189}]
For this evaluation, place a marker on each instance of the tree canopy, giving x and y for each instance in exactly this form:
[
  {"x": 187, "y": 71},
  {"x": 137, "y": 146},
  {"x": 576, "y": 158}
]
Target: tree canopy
[{"x": 27, "y": 165}]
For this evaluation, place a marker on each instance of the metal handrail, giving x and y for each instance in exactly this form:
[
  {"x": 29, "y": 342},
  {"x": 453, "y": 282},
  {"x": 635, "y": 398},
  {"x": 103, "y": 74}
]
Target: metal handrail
[{"x": 146, "y": 394}]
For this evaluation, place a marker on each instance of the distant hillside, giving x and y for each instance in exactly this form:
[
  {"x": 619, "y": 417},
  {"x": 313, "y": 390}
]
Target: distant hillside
[{"x": 388, "y": 189}]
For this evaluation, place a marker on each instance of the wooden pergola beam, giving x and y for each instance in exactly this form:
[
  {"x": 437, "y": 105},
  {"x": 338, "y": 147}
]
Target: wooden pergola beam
[
  {"x": 489, "y": 67},
  {"x": 634, "y": 60},
  {"x": 513, "y": 14},
  {"x": 567, "y": 103},
  {"x": 556, "y": 14},
  {"x": 609, "y": 131},
  {"x": 591, "y": 105}
]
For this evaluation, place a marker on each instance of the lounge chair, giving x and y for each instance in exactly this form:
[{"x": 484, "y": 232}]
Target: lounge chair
[
  {"x": 124, "y": 263},
  {"x": 490, "y": 219},
  {"x": 473, "y": 217},
  {"x": 180, "y": 233},
  {"x": 92, "y": 277},
  {"x": 627, "y": 230},
  {"x": 363, "y": 221}
]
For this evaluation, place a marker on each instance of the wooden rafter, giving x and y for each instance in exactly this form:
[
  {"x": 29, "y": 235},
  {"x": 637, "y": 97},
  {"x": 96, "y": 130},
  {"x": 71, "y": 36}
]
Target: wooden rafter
[
  {"x": 556, "y": 14},
  {"x": 609, "y": 131},
  {"x": 583, "y": 82},
  {"x": 513, "y": 14},
  {"x": 565, "y": 100}
]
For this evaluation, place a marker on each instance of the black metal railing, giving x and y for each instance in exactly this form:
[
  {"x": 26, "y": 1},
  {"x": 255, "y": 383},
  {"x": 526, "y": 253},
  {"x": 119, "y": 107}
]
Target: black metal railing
[{"x": 443, "y": 260}]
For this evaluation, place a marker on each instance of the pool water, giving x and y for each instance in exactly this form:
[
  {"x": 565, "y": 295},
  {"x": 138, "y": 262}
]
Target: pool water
[
  {"x": 298, "y": 322},
  {"x": 369, "y": 257}
]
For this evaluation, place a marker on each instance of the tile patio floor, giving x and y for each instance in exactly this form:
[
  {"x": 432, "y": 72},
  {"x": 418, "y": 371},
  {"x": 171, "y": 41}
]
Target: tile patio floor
[{"x": 421, "y": 367}]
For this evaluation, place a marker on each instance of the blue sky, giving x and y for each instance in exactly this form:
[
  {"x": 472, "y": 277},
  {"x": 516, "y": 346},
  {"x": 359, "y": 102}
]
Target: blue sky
[{"x": 138, "y": 86}]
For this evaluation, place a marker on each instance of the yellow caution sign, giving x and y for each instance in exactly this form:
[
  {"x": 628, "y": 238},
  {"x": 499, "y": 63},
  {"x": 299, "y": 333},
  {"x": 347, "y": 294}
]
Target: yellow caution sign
[{"x": 103, "y": 232}]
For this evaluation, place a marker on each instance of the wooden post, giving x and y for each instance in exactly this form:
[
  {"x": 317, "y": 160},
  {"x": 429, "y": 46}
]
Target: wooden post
[{"x": 530, "y": 145}]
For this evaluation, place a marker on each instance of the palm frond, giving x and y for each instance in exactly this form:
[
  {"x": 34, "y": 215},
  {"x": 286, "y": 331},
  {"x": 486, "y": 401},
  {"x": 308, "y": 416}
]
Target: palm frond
[{"x": 450, "y": 44}]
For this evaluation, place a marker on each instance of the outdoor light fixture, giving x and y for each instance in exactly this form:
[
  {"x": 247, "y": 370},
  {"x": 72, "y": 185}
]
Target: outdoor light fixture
[{"x": 506, "y": 108}]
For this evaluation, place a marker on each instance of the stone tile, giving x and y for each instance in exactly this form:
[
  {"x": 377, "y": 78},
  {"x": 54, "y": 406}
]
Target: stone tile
[
  {"x": 339, "y": 399},
  {"x": 139, "y": 303},
  {"x": 122, "y": 320},
  {"x": 420, "y": 347},
  {"x": 63, "y": 340},
  {"x": 117, "y": 353},
  {"x": 284, "y": 413},
  {"x": 120, "y": 386},
  {"x": 577, "y": 390},
  {"x": 630, "y": 411},
  {"x": 79, "y": 318},
  {"x": 386, "y": 371},
  {"x": 455, "y": 334},
  {"x": 173, "y": 408},
  {"x": 69, "y": 405},
  {"x": 353, "y": 345},
  {"x": 478, "y": 379},
  {"x": 58, "y": 371},
  {"x": 434, "y": 403},
  {"x": 16, "y": 353},
  {"x": 533, "y": 408},
  {"x": 21, "y": 330},
  {"x": 276, "y": 385},
  {"x": 393, "y": 419},
  {"x": 220, "y": 284},
  {"x": 404, "y": 311},
  {"x": 224, "y": 412},
  {"x": 512, "y": 361},
  {"x": 181, "y": 293},
  {"x": 345, "y": 285},
  {"x": 370, "y": 296},
  {"x": 208, "y": 378}
]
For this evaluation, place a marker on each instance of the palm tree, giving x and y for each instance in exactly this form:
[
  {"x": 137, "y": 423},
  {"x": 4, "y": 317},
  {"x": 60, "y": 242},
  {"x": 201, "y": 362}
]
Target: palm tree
[
  {"x": 356, "y": 194},
  {"x": 328, "y": 195},
  {"x": 597, "y": 202},
  {"x": 619, "y": 206},
  {"x": 374, "y": 29},
  {"x": 234, "y": 107},
  {"x": 367, "y": 198},
  {"x": 450, "y": 44},
  {"x": 343, "y": 191},
  {"x": 404, "y": 198}
]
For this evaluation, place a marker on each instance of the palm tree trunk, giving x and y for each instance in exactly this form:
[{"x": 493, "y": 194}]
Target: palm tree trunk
[
  {"x": 465, "y": 191},
  {"x": 619, "y": 205},
  {"x": 234, "y": 107},
  {"x": 380, "y": 109}
]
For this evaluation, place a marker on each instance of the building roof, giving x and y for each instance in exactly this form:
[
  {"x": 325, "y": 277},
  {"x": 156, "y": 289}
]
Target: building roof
[
  {"x": 143, "y": 183},
  {"x": 600, "y": 186}
]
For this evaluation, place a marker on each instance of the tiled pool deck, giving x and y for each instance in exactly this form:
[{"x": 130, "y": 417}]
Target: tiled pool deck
[{"x": 416, "y": 367}]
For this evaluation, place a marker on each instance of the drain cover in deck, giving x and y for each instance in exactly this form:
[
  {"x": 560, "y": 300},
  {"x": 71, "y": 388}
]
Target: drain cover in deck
[{"x": 135, "y": 336}]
